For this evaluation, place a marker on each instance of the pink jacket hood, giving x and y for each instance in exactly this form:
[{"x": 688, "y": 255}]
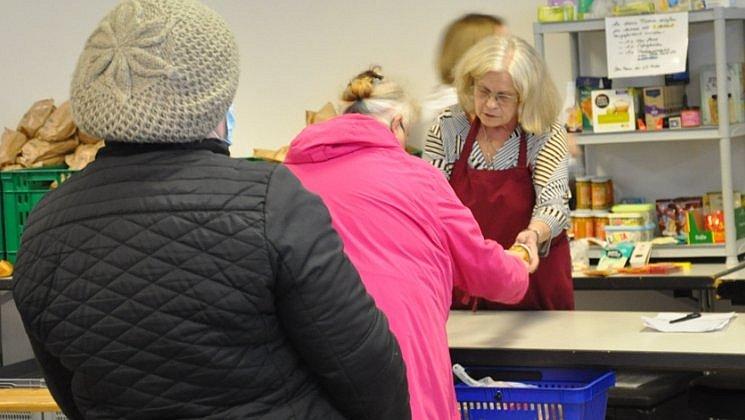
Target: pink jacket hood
[{"x": 340, "y": 136}]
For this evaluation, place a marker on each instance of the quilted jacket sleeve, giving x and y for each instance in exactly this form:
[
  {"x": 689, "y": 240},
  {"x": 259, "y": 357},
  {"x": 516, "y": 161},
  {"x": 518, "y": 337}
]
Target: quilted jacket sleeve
[
  {"x": 330, "y": 319},
  {"x": 58, "y": 380}
]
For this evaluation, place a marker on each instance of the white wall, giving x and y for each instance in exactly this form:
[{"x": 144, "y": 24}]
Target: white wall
[{"x": 296, "y": 54}]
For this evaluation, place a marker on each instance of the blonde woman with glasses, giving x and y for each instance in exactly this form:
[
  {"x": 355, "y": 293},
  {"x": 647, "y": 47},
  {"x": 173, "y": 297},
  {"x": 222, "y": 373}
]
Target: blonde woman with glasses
[{"x": 506, "y": 158}]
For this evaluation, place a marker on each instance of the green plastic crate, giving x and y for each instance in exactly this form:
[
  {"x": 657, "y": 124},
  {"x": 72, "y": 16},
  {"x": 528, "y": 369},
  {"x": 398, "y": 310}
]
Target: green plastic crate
[{"x": 21, "y": 192}]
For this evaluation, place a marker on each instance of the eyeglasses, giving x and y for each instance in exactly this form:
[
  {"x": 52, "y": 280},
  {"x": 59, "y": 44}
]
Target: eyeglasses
[{"x": 502, "y": 99}]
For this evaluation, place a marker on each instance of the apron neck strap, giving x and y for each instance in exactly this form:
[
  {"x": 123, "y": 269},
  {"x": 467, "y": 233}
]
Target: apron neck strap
[
  {"x": 470, "y": 140},
  {"x": 522, "y": 159}
]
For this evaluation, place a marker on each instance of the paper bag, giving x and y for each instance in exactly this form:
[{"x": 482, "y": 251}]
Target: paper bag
[
  {"x": 12, "y": 168},
  {"x": 35, "y": 117},
  {"x": 86, "y": 138},
  {"x": 326, "y": 113},
  {"x": 84, "y": 154},
  {"x": 10, "y": 146},
  {"x": 52, "y": 161},
  {"x": 36, "y": 149},
  {"x": 59, "y": 126},
  {"x": 278, "y": 155}
]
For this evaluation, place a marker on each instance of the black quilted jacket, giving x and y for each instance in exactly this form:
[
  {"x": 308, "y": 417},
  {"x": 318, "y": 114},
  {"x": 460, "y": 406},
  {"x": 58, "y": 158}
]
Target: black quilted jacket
[{"x": 172, "y": 282}]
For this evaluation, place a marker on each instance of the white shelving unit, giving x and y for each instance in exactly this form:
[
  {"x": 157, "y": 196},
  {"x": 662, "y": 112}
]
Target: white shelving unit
[
  {"x": 722, "y": 134},
  {"x": 685, "y": 134},
  {"x": 686, "y": 251}
]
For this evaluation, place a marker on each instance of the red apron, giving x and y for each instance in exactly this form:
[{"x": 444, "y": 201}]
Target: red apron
[{"x": 502, "y": 202}]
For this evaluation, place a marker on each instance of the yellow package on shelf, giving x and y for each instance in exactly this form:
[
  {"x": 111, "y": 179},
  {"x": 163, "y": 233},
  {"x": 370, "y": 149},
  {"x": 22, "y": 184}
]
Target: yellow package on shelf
[{"x": 547, "y": 14}]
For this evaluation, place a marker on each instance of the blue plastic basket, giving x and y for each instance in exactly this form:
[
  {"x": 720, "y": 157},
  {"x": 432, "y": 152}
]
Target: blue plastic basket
[{"x": 562, "y": 394}]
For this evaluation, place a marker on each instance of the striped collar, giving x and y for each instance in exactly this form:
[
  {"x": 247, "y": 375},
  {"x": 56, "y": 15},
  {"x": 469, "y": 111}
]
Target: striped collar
[{"x": 463, "y": 124}]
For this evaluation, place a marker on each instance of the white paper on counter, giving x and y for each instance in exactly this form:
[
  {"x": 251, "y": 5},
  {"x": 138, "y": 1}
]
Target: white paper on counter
[{"x": 705, "y": 323}]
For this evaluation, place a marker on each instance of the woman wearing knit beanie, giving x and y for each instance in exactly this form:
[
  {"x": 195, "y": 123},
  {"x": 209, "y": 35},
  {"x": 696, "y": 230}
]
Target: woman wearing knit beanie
[{"x": 168, "y": 281}]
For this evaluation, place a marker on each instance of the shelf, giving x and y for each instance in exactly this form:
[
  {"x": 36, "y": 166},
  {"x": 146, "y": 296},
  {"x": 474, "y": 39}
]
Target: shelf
[
  {"x": 685, "y": 251},
  {"x": 708, "y": 15},
  {"x": 684, "y": 134}
]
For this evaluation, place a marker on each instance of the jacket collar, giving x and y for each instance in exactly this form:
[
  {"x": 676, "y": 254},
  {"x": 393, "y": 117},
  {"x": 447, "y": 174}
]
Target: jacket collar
[
  {"x": 126, "y": 149},
  {"x": 340, "y": 136}
]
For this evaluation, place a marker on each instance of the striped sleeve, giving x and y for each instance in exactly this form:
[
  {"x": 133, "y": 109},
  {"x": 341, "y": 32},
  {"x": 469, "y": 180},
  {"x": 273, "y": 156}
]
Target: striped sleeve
[
  {"x": 551, "y": 181},
  {"x": 434, "y": 147}
]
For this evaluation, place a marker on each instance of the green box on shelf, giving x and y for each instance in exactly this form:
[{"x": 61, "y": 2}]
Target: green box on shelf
[
  {"x": 700, "y": 236},
  {"x": 21, "y": 192},
  {"x": 740, "y": 222}
]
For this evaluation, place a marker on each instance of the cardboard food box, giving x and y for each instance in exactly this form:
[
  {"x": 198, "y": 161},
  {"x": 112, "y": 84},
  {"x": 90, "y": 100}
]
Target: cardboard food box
[
  {"x": 661, "y": 102},
  {"x": 613, "y": 110},
  {"x": 735, "y": 94},
  {"x": 586, "y": 85},
  {"x": 713, "y": 201}
]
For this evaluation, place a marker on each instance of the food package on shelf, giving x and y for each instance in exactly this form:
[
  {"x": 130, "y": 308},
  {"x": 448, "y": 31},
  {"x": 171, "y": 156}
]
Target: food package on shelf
[
  {"x": 10, "y": 146},
  {"x": 36, "y": 116},
  {"x": 735, "y": 94},
  {"x": 614, "y": 110}
]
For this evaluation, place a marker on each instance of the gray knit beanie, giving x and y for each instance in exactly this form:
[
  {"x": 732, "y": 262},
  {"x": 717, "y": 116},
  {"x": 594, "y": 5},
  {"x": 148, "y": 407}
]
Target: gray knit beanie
[{"x": 155, "y": 71}]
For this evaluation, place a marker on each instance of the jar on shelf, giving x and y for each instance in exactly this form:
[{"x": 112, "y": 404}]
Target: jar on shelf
[
  {"x": 583, "y": 224},
  {"x": 583, "y": 192},
  {"x": 600, "y": 220},
  {"x": 601, "y": 194}
]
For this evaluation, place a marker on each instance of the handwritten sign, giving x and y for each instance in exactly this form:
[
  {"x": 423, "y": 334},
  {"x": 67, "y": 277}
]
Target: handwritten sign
[{"x": 646, "y": 45}]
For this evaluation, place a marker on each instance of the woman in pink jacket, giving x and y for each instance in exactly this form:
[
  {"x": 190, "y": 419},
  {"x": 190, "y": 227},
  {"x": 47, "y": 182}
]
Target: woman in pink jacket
[{"x": 404, "y": 230}]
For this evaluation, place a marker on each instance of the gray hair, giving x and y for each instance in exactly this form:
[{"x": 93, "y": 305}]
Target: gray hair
[{"x": 370, "y": 93}]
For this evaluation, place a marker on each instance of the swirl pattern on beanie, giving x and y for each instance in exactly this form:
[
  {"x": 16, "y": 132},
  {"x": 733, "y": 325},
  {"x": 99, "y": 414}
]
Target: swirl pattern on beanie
[{"x": 156, "y": 71}]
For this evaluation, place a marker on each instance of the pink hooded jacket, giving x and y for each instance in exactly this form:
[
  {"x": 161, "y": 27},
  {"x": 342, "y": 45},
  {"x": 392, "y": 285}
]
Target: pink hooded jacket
[{"x": 411, "y": 240}]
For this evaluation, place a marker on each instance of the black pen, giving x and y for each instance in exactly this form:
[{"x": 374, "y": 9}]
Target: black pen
[{"x": 692, "y": 315}]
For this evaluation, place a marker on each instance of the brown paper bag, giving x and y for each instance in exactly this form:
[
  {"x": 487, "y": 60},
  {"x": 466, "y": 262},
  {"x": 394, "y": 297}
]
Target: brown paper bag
[
  {"x": 326, "y": 113},
  {"x": 10, "y": 146},
  {"x": 278, "y": 155},
  {"x": 84, "y": 154},
  {"x": 59, "y": 126},
  {"x": 86, "y": 138},
  {"x": 36, "y": 150},
  {"x": 12, "y": 168},
  {"x": 52, "y": 161},
  {"x": 35, "y": 117}
]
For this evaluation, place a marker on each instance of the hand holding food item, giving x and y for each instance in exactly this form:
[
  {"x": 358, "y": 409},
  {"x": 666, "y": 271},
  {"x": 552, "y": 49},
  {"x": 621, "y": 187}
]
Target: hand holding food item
[
  {"x": 528, "y": 256},
  {"x": 522, "y": 250}
]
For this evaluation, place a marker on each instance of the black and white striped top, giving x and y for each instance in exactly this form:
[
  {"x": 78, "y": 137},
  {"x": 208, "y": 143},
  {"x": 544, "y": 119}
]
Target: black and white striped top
[{"x": 547, "y": 156}]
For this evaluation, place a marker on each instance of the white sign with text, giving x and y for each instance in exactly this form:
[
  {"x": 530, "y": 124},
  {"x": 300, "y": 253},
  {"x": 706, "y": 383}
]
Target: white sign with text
[{"x": 646, "y": 45}]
